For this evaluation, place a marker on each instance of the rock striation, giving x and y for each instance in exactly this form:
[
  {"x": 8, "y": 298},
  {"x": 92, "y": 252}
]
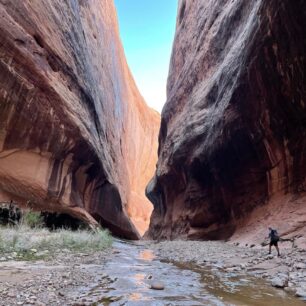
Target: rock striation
[
  {"x": 75, "y": 134},
  {"x": 232, "y": 143}
]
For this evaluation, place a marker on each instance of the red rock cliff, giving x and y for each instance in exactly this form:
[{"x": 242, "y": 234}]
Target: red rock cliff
[
  {"x": 232, "y": 144},
  {"x": 75, "y": 134}
]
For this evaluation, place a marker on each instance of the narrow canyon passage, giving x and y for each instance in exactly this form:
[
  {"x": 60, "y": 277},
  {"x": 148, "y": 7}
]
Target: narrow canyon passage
[
  {"x": 227, "y": 151},
  {"x": 224, "y": 160}
]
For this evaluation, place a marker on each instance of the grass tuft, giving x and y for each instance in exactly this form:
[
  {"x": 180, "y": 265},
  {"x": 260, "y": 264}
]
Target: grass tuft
[
  {"x": 25, "y": 243},
  {"x": 32, "y": 219}
]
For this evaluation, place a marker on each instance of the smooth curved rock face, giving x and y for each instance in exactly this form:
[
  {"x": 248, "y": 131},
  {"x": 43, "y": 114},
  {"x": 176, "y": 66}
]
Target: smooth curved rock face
[
  {"x": 233, "y": 129},
  {"x": 75, "y": 134}
]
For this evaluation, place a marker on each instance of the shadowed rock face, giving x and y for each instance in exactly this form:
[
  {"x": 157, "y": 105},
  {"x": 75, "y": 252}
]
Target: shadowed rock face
[
  {"x": 233, "y": 129},
  {"x": 75, "y": 135}
]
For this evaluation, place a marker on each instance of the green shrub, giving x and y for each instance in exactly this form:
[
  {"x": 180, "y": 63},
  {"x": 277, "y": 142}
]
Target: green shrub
[{"x": 32, "y": 219}]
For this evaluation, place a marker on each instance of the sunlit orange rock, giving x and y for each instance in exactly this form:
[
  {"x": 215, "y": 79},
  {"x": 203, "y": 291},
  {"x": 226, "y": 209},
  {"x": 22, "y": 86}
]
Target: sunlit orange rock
[
  {"x": 232, "y": 146},
  {"x": 75, "y": 134}
]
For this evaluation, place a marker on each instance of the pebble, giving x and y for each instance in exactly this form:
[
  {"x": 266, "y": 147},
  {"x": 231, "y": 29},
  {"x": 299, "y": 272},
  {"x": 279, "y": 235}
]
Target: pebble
[
  {"x": 11, "y": 295},
  {"x": 157, "y": 286},
  {"x": 42, "y": 253},
  {"x": 300, "y": 265}
]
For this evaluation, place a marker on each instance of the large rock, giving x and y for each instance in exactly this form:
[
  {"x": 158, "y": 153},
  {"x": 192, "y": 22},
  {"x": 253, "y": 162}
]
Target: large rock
[
  {"x": 233, "y": 129},
  {"x": 75, "y": 134},
  {"x": 279, "y": 282},
  {"x": 301, "y": 292}
]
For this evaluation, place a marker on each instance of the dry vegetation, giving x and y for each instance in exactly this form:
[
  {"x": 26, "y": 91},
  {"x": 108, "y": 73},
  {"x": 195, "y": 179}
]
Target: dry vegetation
[{"x": 30, "y": 240}]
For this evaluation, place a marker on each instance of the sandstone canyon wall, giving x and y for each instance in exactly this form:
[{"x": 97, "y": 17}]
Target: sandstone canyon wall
[
  {"x": 75, "y": 134},
  {"x": 232, "y": 143}
]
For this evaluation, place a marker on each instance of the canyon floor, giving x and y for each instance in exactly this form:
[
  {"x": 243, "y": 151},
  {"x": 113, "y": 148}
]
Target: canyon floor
[
  {"x": 287, "y": 271},
  {"x": 192, "y": 273}
]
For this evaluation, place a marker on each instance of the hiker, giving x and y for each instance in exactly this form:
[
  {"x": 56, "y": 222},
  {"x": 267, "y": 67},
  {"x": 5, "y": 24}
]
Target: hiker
[{"x": 274, "y": 238}]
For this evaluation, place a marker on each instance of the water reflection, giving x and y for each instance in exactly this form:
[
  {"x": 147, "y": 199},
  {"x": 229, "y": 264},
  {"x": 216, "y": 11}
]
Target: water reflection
[
  {"x": 136, "y": 296},
  {"x": 146, "y": 255},
  {"x": 139, "y": 279}
]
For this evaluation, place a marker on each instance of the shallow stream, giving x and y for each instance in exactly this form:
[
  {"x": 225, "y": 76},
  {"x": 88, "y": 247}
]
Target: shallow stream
[{"x": 127, "y": 276}]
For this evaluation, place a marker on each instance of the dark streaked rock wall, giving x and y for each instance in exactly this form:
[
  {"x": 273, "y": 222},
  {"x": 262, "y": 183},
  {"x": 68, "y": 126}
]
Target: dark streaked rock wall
[{"x": 232, "y": 136}]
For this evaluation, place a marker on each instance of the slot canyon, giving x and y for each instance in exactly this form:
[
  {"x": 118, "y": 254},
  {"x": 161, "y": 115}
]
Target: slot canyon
[
  {"x": 105, "y": 201},
  {"x": 77, "y": 137}
]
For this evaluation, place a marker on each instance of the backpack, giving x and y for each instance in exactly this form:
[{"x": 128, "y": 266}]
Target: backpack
[{"x": 274, "y": 235}]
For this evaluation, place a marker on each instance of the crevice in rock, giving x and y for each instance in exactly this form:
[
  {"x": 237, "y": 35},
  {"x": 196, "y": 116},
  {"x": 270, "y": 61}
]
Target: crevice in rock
[
  {"x": 55, "y": 221},
  {"x": 53, "y": 63},
  {"x": 182, "y": 11},
  {"x": 20, "y": 41},
  {"x": 39, "y": 40}
]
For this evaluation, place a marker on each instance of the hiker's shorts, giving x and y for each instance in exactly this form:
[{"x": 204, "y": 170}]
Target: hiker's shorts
[{"x": 273, "y": 242}]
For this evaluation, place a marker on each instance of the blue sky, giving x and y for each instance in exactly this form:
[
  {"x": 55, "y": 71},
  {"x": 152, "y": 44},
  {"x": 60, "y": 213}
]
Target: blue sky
[{"x": 147, "y": 31}]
